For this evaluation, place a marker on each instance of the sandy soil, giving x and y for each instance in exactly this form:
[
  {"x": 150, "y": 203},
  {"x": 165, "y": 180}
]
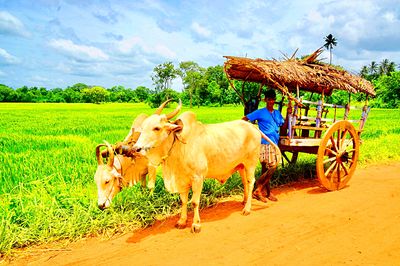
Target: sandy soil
[{"x": 359, "y": 225}]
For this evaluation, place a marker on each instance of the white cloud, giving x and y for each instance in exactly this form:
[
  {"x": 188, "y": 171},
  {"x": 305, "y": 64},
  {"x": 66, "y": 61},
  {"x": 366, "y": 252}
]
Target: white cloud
[
  {"x": 390, "y": 17},
  {"x": 127, "y": 45},
  {"x": 6, "y": 58},
  {"x": 164, "y": 51},
  {"x": 136, "y": 46},
  {"x": 12, "y": 25},
  {"x": 200, "y": 31},
  {"x": 79, "y": 52}
]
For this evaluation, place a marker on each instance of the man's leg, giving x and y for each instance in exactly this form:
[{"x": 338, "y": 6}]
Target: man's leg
[
  {"x": 259, "y": 191},
  {"x": 266, "y": 185}
]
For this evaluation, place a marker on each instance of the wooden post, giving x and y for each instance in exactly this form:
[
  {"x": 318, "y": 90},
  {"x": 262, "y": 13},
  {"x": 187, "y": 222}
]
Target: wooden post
[
  {"x": 289, "y": 120},
  {"x": 364, "y": 115},
  {"x": 293, "y": 119},
  {"x": 320, "y": 105},
  {"x": 319, "y": 110},
  {"x": 334, "y": 116},
  {"x": 346, "y": 112}
]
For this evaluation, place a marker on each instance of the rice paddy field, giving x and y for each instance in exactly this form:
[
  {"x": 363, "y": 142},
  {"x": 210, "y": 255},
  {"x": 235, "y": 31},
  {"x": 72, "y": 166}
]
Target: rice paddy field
[{"x": 47, "y": 164}]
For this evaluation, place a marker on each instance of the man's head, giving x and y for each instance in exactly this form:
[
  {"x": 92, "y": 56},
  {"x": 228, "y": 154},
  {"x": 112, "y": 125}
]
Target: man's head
[
  {"x": 270, "y": 94},
  {"x": 270, "y": 97}
]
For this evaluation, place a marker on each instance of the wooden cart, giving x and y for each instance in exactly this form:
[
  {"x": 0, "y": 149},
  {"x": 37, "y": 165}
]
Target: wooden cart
[{"x": 336, "y": 139}]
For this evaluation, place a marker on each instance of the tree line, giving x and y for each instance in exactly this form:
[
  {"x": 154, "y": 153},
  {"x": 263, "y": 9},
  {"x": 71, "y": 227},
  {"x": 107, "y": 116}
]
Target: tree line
[{"x": 201, "y": 87}]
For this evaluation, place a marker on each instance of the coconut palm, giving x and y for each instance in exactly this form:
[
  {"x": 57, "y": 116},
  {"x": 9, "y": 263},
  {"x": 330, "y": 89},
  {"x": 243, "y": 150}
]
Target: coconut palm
[
  {"x": 373, "y": 68},
  {"x": 330, "y": 41},
  {"x": 386, "y": 67},
  {"x": 364, "y": 72}
]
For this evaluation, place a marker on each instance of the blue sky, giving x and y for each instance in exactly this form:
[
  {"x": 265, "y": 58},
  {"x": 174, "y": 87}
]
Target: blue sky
[{"x": 57, "y": 43}]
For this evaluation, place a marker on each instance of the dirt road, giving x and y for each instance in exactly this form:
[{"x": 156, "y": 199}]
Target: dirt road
[{"x": 359, "y": 225}]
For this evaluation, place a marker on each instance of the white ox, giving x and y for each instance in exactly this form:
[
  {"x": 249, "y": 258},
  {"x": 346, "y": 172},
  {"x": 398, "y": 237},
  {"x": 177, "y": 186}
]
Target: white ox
[
  {"x": 190, "y": 151},
  {"x": 122, "y": 171}
]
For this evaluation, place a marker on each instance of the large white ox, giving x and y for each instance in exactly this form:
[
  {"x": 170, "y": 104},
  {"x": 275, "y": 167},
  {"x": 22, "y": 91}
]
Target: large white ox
[{"x": 190, "y": 151}]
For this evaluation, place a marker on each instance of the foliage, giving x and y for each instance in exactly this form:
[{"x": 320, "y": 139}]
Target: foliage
[
  {"x": 388, "y": 89},
  {"x": 163, "y": 76},
  {"x": 191, "y": 74},
  {"x": 202, "y": 87},
  {"x": 96, "y": 94},
  {"x": 7, "y": 94},
  {"x": 386, "y": 80}
]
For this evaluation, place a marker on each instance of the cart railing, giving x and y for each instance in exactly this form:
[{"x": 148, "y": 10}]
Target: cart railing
[{"x": 301, "y": 125}]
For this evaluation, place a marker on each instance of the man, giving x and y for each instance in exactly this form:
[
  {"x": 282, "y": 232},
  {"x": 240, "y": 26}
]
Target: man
[{"x": 269, "y": 120}]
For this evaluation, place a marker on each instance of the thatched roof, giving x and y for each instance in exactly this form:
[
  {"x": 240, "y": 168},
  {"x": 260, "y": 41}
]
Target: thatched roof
[{"x": 307, "y": 74}]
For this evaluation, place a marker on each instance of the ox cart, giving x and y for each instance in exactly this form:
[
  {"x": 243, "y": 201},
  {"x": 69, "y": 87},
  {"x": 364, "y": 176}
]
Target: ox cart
[{"x": 335, "y": 138}]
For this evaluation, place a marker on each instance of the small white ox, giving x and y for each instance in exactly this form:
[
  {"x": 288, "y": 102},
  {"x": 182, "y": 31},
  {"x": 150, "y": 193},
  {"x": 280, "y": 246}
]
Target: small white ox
[
  {"x": 190, "y": 151},
  {"x": 122, "y": 171}
]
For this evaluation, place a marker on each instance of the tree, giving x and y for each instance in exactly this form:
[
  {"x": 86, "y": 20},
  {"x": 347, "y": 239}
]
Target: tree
[
  {"x": 56, "y": 96},
  {"x": 215, "y": 92},
  {"x": 142, "y": 93},
  {"x": 364, "y": 72},
  {"x": 388, "y": 90},
  {"x": 197, "y": 85},
  {"x": 386, "y": 67},
  {"x": 187, "y": 71},
  {"x": 163, "y": 76},
  {"x": 217, "y": 74},
  {"x": 330, "y": 41},
  {"x": 118, "y": 94},
  {"x": 7, "y": 94},
  {"x": 373, "y": 68},
  {"x": 96, "y": 94},
  {"x": 162, "y": 79}
]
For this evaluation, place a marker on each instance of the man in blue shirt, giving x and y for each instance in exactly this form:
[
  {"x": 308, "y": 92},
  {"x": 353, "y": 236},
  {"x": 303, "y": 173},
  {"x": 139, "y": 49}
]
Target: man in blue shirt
[{"x": 269, "y": 120}]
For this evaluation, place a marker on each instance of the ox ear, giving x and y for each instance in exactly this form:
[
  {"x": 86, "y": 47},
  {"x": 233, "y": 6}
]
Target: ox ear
[{"x": 177, "y": 128}]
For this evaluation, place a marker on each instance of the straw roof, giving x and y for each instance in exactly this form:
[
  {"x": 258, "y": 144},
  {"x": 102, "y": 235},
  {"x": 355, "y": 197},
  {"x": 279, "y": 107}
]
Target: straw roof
[{"x": 307, "y": 74}]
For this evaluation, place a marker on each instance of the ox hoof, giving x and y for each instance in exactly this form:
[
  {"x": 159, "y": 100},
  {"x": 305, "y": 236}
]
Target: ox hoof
[
  {"x": 245, "y": 212},
  {"x": 196, "y": 228},
  {"x": 180, "y": 226}
]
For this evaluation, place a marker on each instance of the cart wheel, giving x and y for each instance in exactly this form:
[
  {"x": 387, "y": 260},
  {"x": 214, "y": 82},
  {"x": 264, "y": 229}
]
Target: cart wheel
[{"x": 338, "y": 155}]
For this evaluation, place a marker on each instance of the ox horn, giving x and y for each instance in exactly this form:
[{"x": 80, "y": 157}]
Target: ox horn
[
  {"x": 110, "y": 161},
  {"x": 159, "y": 109},
  {"x": 176, "y": 111},
  {"x": 98, "y": 154}
]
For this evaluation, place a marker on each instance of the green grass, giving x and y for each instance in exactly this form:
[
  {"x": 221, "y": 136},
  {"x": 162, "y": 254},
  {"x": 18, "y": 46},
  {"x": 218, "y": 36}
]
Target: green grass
[{"x": 47, "y": 163}]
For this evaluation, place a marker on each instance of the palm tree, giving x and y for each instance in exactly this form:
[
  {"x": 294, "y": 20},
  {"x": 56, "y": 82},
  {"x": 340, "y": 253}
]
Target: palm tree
[
  {"x": 392, "y": 67},
  {"x": 383, "y": 67},
  {"x": 386, "y": 67},
  {"x": 364, "y": 71},
  {"x": 330, "y": 41},
  {"x": 373, "y": 68}
]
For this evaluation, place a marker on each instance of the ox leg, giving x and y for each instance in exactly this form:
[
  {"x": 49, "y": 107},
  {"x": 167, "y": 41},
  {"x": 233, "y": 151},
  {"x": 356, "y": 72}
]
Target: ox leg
[
  {"x": 242, "y": 173},
  {"x": 152, "y": 178},
  {"x": 197, "y": 187},
  {"x": 181, "y": 224},
  {"x": 249, "y": 172}
]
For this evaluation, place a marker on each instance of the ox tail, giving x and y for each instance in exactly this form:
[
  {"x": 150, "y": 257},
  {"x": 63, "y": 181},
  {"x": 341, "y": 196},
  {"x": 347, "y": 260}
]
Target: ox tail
[{"x": 278, "y": 151}]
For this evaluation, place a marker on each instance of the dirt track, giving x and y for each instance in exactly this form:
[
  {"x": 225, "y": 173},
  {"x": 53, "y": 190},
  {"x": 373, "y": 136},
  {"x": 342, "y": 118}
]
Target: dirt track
[{"x": 359, "y": 225}]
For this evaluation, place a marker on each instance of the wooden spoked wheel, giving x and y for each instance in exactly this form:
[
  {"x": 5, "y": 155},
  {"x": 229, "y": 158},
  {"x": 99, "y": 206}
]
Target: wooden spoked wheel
[{"x": 338, "y": 155}]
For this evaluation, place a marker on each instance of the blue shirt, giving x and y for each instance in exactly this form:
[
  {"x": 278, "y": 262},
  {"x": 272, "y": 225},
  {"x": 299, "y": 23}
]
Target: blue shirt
[{"x": 268, "y": 123}]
